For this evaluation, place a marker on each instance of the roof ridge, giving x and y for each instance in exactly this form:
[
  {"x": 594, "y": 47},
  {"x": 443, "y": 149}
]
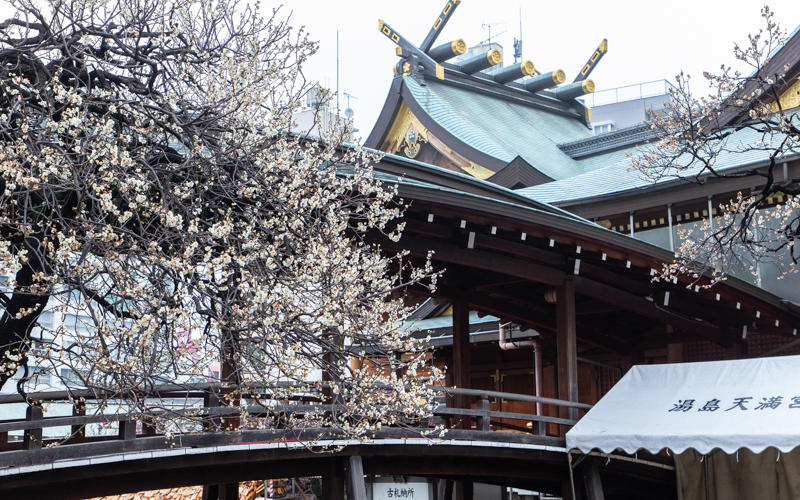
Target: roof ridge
[{"x": 610, "y": 140}]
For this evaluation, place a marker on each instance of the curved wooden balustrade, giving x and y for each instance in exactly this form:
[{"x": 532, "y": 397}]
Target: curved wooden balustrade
[
  {"x": 28, "y": 450},
  {"x": 127, "y": 461}
]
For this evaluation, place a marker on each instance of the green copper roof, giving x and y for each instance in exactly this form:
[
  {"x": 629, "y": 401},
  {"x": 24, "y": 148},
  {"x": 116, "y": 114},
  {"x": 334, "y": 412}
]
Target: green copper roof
[
  {"x": 604, "y": 160},
  {"x": 617, "y": 176},
  {"x": 447, "y": 322},
  {"x": 500, "y": 128}
]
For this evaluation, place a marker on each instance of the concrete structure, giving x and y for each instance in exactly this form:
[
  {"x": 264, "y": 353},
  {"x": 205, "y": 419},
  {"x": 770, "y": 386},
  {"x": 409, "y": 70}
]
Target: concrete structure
[{"x": 628, "y": 106}]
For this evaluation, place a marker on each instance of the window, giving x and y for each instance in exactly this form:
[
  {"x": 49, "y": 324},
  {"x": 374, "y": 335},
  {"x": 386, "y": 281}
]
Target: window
[
  {"x": 79, "y": 324},
  {"x": 36, "y": 375},
  {"x": 47, "y": 320},
  {"x": 69, "y": 378},
  {"x": 603, "y": 128}
]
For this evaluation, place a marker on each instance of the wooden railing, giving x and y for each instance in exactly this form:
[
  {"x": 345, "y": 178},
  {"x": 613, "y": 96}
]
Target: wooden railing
[
  {"x": 484, "y": 415},
  {"x": 485, "y": 420}
]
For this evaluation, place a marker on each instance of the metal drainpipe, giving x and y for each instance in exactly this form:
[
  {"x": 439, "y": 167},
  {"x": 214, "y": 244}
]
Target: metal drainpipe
[
  {"x": 710, "y": 216},
  {"x": 756, "y": 236},
  {"x": 537, "y": 360},
  {"x": 505, "y": 345},
  {"x": 669, "y": 219},
  {"x": 537, "y": 373},
  {"x": 632, "y": 225}
]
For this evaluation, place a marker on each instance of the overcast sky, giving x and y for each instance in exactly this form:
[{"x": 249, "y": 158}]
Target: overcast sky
[{"x": 648, "y": 40}]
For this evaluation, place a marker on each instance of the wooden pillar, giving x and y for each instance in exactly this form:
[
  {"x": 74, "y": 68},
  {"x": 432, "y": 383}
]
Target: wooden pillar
[
  {"x": 444, "y": 489},
  {"x": 448, "y": 489},
  {"x": 464, "y": 490},
  {"x": 675, "y": 353},
  {"x": 591, "y": 479},
  {"x": 327, "y": 392},
  {"x": 333, "y": 480},
  {"x": 736, "y": 351},
  {"x": 461, "y": 361},
  {"x": 210, "y": 492},
  {"x": 567, "y": 347},
  {"x": 484, "y": 421},
  {"x": 227, "y": 375},
  {"x": 78, "y": 410},
  {"x": 127, "y": 430},
  {"x": 229, "y": 491},
  {"x": 631, "y": 359},
  {"x": 32, "y": 438},
  {"x": 551, "y": 383}
]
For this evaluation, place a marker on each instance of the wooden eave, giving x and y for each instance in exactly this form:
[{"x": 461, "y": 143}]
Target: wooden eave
[
  {"x": 387, "y": 116},
  {"x": 788, "y": 55},
  {"x": 604, "y": 273},
  {"x": 465, "y": 183}
]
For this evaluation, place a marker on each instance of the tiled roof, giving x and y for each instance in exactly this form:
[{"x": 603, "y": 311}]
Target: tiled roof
[
  {"x": 604, "y": 160},
  {"x": 614, "y": 178},
  {"x": 423, "y": 325},
  {"x": 502, "y": 129},
  {"x": 618, "y": 177}
]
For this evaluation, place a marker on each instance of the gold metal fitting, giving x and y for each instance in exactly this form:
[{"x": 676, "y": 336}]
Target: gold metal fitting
[
  {"x": 527, "y": 68},
  {"x": 559, "y": 76},
  {"x": 458, "y": 46},
  {"x": 587, "y": 86},
  {"x": 494, "y": 57}
]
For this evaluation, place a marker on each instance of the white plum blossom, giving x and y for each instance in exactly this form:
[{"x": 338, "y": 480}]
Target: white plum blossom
[
  {"x": 163, "y": 200},
  {"x": 749, "y": 120}
]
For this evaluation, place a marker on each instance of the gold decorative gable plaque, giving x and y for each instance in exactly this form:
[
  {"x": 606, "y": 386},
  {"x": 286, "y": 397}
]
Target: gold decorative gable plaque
[
  {"x": 789, "y": 99},
  {"x": 407, "y": 132}
]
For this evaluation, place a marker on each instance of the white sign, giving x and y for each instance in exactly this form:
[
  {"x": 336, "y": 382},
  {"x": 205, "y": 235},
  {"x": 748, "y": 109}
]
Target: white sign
[{"x": 399, "y": 491}]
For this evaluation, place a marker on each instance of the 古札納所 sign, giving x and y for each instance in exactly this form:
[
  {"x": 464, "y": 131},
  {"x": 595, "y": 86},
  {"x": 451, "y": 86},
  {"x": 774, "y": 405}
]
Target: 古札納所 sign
[{"x": 400, "y": 491}]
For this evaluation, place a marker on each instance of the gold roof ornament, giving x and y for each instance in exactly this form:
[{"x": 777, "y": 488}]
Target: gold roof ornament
[
  {"x": 790, "y": 98},
  {"x": 598, "y": 54}
]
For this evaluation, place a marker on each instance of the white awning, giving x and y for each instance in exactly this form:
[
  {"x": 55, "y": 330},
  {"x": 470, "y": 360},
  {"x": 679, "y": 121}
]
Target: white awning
[{"x": 726, "y": 405}]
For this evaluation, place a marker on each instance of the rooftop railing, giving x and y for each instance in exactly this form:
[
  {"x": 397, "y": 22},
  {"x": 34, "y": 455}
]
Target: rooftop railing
[{"x": 628, "y": 93}]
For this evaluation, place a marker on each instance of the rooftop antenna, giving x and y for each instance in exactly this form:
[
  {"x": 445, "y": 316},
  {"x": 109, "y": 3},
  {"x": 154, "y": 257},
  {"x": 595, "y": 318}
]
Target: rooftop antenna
[
  {"x": 488, "y": 26},
  {"x": 337, "y": 73},
  {"x": 348, "y": 113},
  {"x": 518, "y": 43}
]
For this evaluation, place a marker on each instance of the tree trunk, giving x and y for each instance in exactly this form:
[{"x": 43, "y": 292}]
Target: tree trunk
[{"x": 14, "y": 332}]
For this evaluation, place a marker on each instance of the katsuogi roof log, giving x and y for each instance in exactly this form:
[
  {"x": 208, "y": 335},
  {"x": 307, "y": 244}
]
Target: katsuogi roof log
[
  {"x": 546, "y": 81},
  {"x": 448, "y": 50},
  {"x": 515, "y": 72},
  {"x": 573, "y": 90},
  {"x": 481, "y": 62}
]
